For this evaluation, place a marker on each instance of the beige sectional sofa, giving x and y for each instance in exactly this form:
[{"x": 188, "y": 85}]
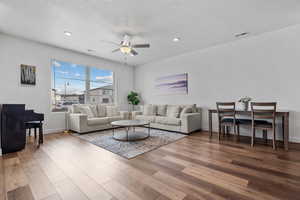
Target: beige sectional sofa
[
  {"x": 84, "y": 118},
  {"x": 179, "y": 118}
]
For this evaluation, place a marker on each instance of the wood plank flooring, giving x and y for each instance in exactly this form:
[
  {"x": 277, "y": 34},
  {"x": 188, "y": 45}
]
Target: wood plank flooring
[{"x": 195, "y": 167}]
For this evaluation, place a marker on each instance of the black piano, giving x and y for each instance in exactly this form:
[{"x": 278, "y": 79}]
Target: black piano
[{"x": 14, "y": 119}]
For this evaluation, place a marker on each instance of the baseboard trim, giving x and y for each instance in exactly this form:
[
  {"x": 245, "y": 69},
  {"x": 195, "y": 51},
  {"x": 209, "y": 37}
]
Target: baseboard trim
[
  {"x": 295, "y": 140},
  {"x": 291, "y": 139},
  {"x": 48, "y": 131},
  {"x": 292, "y": 145}
]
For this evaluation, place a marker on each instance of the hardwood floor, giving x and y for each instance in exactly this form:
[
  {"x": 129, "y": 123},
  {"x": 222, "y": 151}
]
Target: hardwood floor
[{"x": 67, "y": 168}]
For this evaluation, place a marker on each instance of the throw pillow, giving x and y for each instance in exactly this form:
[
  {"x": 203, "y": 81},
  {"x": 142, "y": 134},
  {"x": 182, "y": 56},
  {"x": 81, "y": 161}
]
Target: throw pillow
[
  {"x": 186, "y": 110},
  {"x": 112, "y": 111},
  {"x": 161, "y": 110},
  {"x": 87, "y": 111},
  {"x": 193, "y": 106},
  {"x": 75, "y": 108},
  {"x": 149, "y": 110},
  {"x": 94, "y": 110},
  {"x": 101, "y": 110},
  {"x": 173, "y": 111}
]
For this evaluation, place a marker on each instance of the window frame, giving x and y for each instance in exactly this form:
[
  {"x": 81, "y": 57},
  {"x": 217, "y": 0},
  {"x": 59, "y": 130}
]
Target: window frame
[{"x": 114, "y": 90}]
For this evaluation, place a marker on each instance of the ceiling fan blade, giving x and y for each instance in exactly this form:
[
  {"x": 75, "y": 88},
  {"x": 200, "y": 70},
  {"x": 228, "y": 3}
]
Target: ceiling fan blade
[
  {"x": 110, "y": 42},
  {"x": 133, "y": 52},
  {"x": 141, "y": 45},
  {"x": 118, "y": 49}
]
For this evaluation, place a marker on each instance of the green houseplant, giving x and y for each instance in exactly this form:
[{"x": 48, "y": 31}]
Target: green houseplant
[{"x": 133, "y": 99}]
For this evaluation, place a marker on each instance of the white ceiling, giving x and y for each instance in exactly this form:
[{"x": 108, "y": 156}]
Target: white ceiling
[{"x": 200, "y": 23}]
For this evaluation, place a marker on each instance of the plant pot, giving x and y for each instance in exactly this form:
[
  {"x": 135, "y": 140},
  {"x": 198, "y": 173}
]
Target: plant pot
[{"x": 244, "y": 106}]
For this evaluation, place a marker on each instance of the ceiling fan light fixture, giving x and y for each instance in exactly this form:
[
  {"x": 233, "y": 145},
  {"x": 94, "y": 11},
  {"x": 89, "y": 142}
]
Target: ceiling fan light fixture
[
  {"x": 125, "y": 49},
  {"x": 176, "y": 39},
  {"x": 67, "y": 33},
  {"x": 241, "y": 34}
]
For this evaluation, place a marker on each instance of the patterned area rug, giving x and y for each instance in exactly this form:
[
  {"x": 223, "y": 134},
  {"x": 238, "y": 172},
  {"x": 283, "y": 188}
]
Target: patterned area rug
[{"x": 130, "y": 150}]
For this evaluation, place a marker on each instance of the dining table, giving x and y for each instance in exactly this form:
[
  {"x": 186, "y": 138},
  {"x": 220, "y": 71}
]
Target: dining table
[{"x": 281, "y": 114}]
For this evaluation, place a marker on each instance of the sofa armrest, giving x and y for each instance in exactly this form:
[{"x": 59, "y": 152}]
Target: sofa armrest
[
  {"x": 135, "y": 113},
  {"x": 190, "y": 122},
  {"x": 78, "y": 116},
  {"x": 124, "y": 114},
  {"x": 77, "y": 121}
]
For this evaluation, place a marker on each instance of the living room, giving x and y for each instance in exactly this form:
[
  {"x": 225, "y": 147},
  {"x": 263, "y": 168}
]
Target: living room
[{"x": 122, "y": 100}]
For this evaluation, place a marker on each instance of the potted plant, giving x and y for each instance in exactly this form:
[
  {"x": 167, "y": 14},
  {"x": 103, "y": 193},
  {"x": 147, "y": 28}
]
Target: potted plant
[
  {"x": 245, "y": 102},
  {"x": 133, "y": 99}
]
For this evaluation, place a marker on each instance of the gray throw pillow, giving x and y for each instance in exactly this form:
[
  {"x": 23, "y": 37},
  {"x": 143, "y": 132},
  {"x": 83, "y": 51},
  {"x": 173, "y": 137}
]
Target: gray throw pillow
[
  {"x": 101, "y": 110},
  {"x": 94, "y": 110},
  {"x": 186, "y": 110},
  {"x": 112, "y": 111},
  {"x": 161, "y": 110},
  {"x": 193, "y": 106},
  {"x": 173, "y": 111},
  {"x": 149, "y": 110},
  {"x": 87, "y": 111}
]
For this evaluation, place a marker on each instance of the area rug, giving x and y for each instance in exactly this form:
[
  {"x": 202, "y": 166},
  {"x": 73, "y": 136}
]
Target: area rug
[{"x": 130, "y": 150}]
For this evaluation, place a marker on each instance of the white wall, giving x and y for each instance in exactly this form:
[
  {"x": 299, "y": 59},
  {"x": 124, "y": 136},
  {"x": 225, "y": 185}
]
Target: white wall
[
  {"x": 16, "y": 51},
  {"x": 265, "y": 67}
]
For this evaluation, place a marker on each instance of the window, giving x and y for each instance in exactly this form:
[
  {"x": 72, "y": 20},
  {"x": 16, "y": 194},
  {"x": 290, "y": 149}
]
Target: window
[
  {"x": 105, "y": 100},
  {"x": 79, "y": 84}
]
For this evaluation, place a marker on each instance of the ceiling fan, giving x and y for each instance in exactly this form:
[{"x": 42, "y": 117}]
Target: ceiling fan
[{"x": 127, "y": 48}]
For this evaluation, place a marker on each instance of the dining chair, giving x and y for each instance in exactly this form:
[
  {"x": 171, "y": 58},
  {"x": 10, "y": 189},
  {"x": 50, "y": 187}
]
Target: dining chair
[
  {"x": 227, "y": 117},
  {"x": 263, "y": 117}
]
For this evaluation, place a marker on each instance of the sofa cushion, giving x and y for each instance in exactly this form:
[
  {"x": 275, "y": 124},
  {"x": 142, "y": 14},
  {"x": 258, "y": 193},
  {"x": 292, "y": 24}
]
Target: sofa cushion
[
  {"x": 146, "y": 118},
  {"x": 97, "y": 121},
  {"x": 114, "y": 118},
  {"x": 161, "y": 110},
  {"x": 75, "y": 108},
  {"x": 168, "y": 121},
  {"x": 112, "y": 111},
  {"x": 193, "y": 106},
  {"x": 101, "y": 110},
  {"x": 186, "y": 110},
  {"x": 87, "y": 111},
  {"x": 94, "y": 110},
  {"x": 149, "y": 110},
  {"x": 173, "y": 111}
]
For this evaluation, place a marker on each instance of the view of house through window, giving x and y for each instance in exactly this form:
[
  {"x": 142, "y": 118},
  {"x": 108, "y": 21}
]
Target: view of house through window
[{"x": 79, "y": 84}]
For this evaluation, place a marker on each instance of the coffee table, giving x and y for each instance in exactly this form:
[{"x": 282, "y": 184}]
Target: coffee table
[{"x": 130, "y": 134}]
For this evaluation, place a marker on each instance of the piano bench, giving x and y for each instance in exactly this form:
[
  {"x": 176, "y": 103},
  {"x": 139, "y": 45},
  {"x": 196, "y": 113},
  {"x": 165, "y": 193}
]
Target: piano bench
[{"x": 35, "y": 125}]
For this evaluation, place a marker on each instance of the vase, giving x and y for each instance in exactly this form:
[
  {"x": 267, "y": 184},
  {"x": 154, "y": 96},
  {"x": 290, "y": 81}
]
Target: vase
[{"x": 245, "y": 106}]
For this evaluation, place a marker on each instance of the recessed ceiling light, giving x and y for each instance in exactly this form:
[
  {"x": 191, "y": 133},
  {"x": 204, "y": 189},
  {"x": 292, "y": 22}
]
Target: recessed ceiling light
[
  {"x": 67, "y": 33},
  {"x": 176, "y": 39},
  {"x": 241, "y": 34}
]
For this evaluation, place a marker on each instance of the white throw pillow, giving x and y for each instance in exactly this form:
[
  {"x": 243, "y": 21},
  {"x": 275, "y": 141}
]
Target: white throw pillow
[
  {"x": 101, "y": 110},
  {"x": 87, "y": 111},
  {"x": 173, "y": 111},
  {"x": 75, "y": 108},
  {"x": 112, "y": 111},
  {"x": 186, "y": 110},
  {"x": 161, "y": 110},
  {"x": 149, "y": 110},
  {"x": 94, "y": 110},
  {"x": 193, "y": 106}
]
